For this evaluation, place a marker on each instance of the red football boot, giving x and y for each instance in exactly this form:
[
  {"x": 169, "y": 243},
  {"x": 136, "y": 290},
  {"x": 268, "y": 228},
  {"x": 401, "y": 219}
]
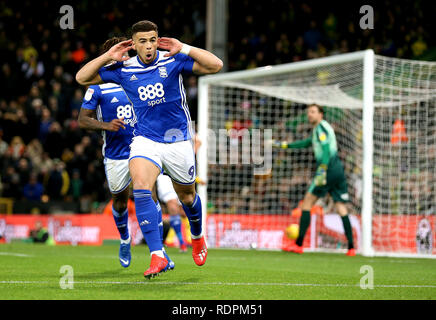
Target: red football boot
[
  {"x": 199, "y": 251},
  {"x": 351, "y": 252},
  {"x": 293, "y": 247},
  {"x": 157, "y": 265}
]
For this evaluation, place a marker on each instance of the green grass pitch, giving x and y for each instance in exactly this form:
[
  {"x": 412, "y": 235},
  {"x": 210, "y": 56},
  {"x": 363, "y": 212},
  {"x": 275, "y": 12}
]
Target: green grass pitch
[{"x": 30, "y": 271}]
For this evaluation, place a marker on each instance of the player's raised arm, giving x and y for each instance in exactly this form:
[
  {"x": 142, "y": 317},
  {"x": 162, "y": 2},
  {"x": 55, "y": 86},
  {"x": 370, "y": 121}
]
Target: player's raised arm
[
  {"x": 88, "y": 74},
  {"x": 205, "y": 61}
]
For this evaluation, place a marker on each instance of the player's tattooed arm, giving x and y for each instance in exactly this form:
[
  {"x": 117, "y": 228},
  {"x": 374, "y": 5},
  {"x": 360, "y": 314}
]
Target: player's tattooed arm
[{"x": 88, "y": 121}]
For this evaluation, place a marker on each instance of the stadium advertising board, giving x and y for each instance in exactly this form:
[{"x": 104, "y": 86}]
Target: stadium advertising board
[{"x": 237, "y": 231}]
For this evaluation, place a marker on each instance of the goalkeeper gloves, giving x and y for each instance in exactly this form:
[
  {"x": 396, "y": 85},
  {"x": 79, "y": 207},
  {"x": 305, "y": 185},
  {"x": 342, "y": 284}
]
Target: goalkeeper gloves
[
  {"x": 321, "y": 176},
  {"x": 280, "y": 144}
]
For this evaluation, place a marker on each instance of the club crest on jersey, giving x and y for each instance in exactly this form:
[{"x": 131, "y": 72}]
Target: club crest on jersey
[
  {"x": 88, "y": 94},
  {"x": 322, "y": 137},
  {"x": 163, "y": 72}
]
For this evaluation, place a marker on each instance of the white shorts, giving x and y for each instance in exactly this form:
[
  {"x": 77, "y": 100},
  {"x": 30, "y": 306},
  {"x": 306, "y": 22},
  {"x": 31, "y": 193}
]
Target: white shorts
[
  {"x": 165, "y": 189},
  {"x": 177, "y": 159},
  {"x": 117, "y": 174}
]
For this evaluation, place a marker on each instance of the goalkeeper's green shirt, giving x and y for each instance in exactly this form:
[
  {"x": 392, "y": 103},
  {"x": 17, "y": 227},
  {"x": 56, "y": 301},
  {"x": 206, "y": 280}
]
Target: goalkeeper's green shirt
[
  {"x": 324, "y": 145},
  {"x": 323, "y": 141}
]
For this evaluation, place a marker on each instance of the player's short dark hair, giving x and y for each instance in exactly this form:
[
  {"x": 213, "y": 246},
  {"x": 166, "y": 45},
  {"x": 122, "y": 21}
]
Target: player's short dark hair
[
  {"x": 320, "y": 109},
  {"x": 109, "y": 43},
  {"x": 144, "y": 26}
]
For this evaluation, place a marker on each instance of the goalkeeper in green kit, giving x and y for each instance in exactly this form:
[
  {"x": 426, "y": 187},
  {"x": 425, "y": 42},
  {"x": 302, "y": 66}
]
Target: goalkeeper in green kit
[{"x": 329, "y": 177}]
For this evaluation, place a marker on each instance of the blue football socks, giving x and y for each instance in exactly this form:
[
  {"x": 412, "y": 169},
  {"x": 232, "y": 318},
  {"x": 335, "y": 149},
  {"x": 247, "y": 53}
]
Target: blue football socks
[
  {"x": 121, "y": 221},
  {"x": 147, "y": 215},
  {"x": 194, "y": 216}
]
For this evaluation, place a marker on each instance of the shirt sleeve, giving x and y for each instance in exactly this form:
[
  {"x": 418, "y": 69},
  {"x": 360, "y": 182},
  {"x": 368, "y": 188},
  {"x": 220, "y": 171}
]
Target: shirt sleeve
[
  {"x": 185, "y": 63},
  {"x": 111, "y": 73},
  {"x": 300, "y": 144},
  {"x": 92, "y": 98},
  {"x": 322, "y": 136}
]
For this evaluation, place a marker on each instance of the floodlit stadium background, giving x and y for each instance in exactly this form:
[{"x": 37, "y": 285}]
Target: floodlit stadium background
[{"x": 49, "y": 165}]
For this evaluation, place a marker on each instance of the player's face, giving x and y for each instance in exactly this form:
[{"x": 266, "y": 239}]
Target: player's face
[
  {"x": 145, "y": 44},
  {"x": 313, "y": 115}
]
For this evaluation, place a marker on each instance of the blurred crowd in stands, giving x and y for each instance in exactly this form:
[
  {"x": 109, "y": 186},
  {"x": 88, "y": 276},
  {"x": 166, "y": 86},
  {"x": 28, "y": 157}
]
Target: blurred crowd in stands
[{"x": 45, "y": 156}]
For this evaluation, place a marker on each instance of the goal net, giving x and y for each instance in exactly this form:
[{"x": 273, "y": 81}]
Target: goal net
[{"x": 384, "y": 116}]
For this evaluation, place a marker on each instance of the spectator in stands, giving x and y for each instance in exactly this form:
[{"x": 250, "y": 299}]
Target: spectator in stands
[
  {"x": 14, "y": 121},
  {"x": 23, "y": 169},
  {"x": 58, "y": 182},
  {"x": 33, "y": 69},
  {"x": 11, "y": 184},
  {"x": 9, "y": 82},
  {"x": 34, "y": 152},
  {"x": 79, "y": 161},
  {"x": 76, "y": 185},
  {"x": 3, "y": 144},
  {"x": 16, "y": 148},
  {"x": 54, "y": 141},
  {"x": 33, "y": 190},
  {"x": 45, "y": 125},
  {"x": 77, "y": 100}
]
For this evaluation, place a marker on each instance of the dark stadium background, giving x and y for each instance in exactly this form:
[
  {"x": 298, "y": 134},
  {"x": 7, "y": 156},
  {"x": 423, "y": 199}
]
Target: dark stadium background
[{"x": 47, "y": 162}]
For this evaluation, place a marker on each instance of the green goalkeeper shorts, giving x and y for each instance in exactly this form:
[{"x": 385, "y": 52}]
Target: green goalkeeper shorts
[{"x": 336, "y": 183}]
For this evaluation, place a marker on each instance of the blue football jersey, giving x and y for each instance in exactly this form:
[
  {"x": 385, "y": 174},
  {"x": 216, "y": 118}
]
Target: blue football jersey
[
  {"x": 110, "y": 102},
  {"x": 157, "y": 93}
]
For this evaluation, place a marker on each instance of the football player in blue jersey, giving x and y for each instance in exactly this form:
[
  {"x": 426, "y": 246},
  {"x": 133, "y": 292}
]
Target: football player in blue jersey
[
  {"x": 163, "y": 135},
  {"x": 106, "y": 108}
]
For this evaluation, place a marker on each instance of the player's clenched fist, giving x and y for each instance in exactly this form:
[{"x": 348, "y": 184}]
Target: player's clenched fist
[
  {"x": 115, "y": 125},
  {"x": 279, "y": 144}
]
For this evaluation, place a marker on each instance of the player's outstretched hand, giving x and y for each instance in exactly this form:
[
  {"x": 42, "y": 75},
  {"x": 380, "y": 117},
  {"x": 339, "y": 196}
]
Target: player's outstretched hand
[
  {"x": 118, "y": 51},
  {"x": 115, "y": 125},
  {"x": 173, "y": 46},
  {"x": 278, "y": 144}
]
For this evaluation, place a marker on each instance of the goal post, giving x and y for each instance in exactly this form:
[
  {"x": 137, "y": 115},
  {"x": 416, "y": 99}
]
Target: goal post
[
  {"x": 383, "y": 112},
  {"x": 367, "y": 150}
]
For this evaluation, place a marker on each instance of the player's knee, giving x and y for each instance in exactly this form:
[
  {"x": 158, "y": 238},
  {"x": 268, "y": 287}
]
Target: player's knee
[
  {"x": 119, "y": 205},
  {"x": 307, "y": 205},
  {"x": 120, "y": 200},
  {"x": 142, "y": 184},
  {"x": 187, "y": 198},
  {"x": 308, "y": 202},
  {"x": 341, "y": 209}
]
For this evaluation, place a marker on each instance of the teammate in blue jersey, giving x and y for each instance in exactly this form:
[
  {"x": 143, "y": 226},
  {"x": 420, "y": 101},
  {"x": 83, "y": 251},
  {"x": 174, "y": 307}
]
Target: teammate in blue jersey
[{"x": 162, "y": 137}]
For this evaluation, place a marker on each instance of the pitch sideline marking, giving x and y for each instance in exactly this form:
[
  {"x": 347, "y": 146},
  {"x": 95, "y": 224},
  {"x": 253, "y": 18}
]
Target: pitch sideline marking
[
  {"x": 15, "y": 254},
  {"x": 222, "y": 284}
]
